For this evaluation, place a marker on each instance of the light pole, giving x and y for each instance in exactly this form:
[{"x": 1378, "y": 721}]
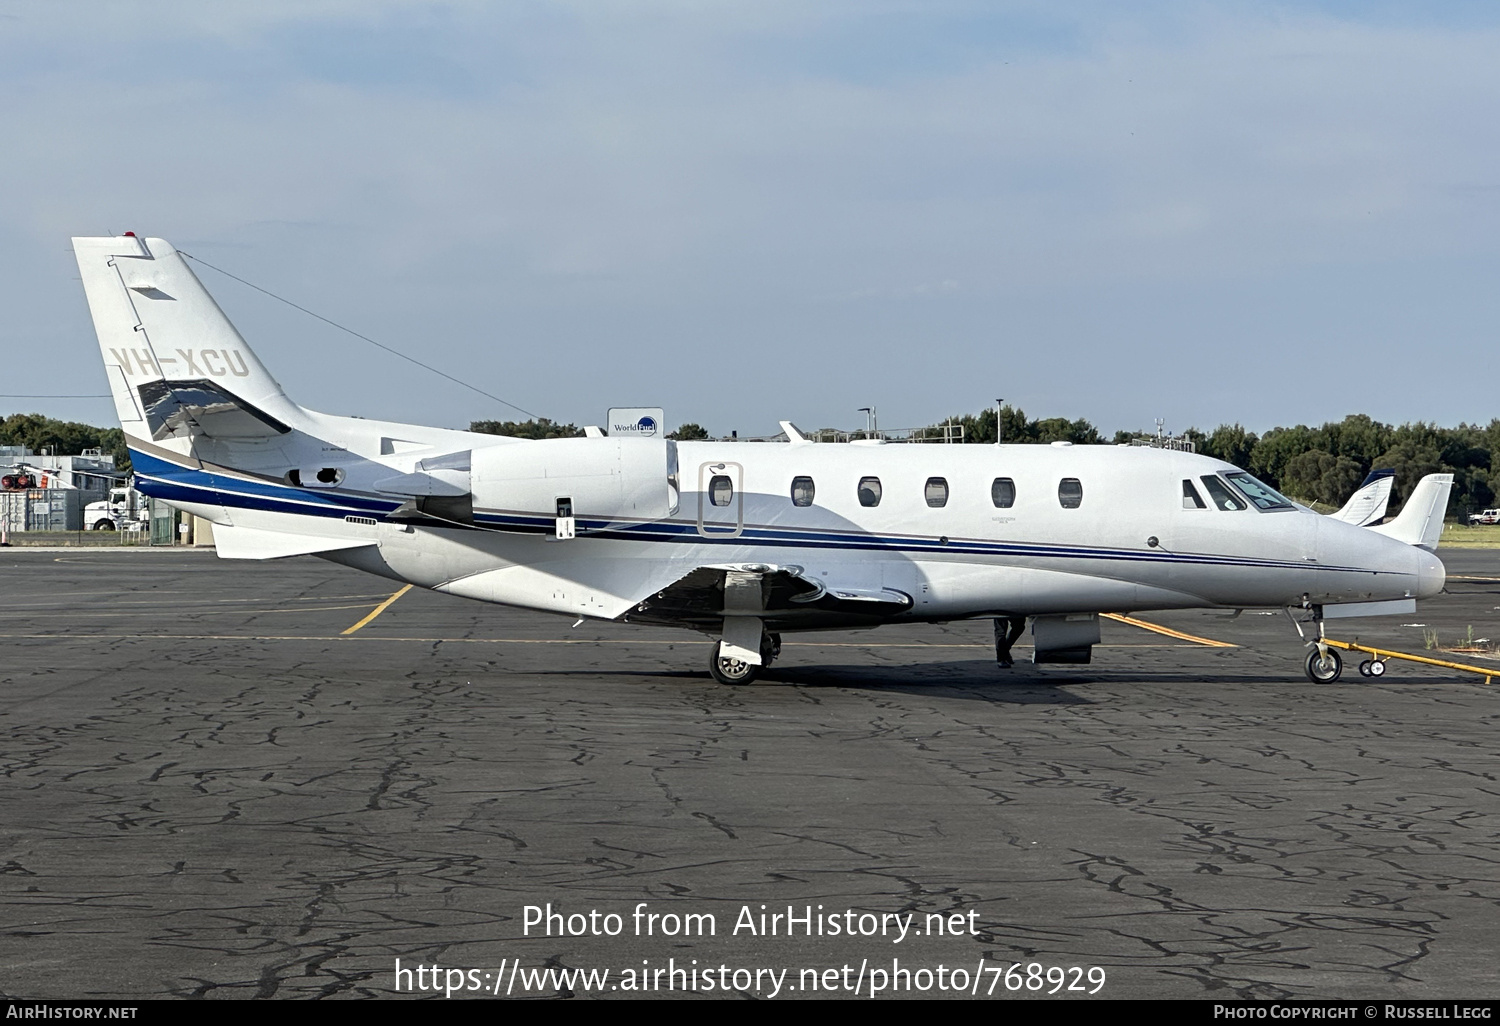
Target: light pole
[
  {"x": 869, "y": 412},
  {"x": 999, "y": 427}
]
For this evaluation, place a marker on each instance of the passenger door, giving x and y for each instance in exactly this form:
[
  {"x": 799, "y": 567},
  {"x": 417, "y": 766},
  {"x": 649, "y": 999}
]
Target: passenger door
[{"x": 721, "y": 500}]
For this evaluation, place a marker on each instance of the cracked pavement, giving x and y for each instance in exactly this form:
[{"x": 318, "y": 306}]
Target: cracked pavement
[{"x": 208, "y": 791}]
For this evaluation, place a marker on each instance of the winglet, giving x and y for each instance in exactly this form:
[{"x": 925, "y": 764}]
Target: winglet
[
  {"x": 1420, "y": 521},
  {"x": 792, "y": 434}
]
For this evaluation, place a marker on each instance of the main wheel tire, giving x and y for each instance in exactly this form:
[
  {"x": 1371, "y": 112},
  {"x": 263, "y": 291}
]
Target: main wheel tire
[
  {"x": 729, "y": 670},
  {"x": 104, "y": 525},
  {"x": 1377, "y": 668},
  {"x": 1323, "y": 668}
]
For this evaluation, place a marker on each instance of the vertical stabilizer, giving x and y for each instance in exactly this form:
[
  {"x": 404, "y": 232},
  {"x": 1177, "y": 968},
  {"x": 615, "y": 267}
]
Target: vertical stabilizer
[
  {"x": 1368, "y": 504},
  {"x": 1420, "y": 521},
  {"x": 174, "y": 361}
]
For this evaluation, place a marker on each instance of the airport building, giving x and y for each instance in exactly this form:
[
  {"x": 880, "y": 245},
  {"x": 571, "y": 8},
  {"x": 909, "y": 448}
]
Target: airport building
[{"x": 43, "y": 492}]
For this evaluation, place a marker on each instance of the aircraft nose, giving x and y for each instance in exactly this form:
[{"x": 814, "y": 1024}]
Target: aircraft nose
[{"x": 1431, "y": 575}]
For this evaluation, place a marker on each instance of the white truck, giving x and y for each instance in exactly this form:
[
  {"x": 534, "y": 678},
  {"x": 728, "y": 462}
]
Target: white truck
[
  {"x": 124, "y": 510},
  {"x": 1489, "y": 516}
]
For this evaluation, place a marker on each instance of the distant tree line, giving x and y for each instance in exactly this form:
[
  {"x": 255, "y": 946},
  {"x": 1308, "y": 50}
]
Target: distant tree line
[
  {"x": 1323, "y": 464},
  {"x": 539, "y": 428},
  {"x": 1314, "y": 464}
]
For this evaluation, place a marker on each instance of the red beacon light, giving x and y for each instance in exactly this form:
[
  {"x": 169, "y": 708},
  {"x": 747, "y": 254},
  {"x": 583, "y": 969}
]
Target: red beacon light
[{"x": 130, "y": 235}]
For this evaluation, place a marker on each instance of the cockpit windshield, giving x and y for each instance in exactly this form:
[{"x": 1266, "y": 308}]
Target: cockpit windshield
[{"x": 1263, "y": 495}]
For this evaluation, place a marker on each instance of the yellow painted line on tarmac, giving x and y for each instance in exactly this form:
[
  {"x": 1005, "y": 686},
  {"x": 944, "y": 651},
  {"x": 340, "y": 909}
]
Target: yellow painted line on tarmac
[
  {"x": 1169, "y": 632},
  {"x": 488, "y": 641},
  {"x": 5, "y": 614},
  {"x": 379, "y": 609}
]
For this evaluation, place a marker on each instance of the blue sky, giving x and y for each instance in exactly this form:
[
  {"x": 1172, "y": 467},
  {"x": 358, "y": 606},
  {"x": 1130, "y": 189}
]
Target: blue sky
[{"x": 746, "y": 212}]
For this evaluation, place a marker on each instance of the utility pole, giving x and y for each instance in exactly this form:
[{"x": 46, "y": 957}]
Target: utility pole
[
  {"x": 869, "y": 412},
  {"x": 999, "y": 427}
]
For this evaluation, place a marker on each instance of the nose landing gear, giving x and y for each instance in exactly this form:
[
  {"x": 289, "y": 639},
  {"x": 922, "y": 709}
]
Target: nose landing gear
[{"x": 1323, "y": 664}]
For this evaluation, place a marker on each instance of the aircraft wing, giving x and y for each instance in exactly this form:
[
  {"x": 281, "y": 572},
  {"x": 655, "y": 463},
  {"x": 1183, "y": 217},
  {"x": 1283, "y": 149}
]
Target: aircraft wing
[
  {"x": 1368, "y": 503},
  {"x": 790, "y": 597}
]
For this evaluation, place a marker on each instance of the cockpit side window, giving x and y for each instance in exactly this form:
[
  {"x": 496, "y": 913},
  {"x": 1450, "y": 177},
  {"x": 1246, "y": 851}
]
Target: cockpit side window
[
  {"x": 1190, "y": 497},
  {"x": 1220, "y": 493},
  {"x": 1258, "y": 492}
]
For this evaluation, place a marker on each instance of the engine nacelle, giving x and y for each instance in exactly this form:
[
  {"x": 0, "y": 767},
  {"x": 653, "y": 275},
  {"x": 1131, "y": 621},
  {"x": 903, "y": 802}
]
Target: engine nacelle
[{"x": 599, "y": 478}]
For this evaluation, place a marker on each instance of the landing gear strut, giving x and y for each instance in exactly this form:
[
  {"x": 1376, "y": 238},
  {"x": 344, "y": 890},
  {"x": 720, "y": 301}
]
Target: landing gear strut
[
  {"x": 1007, "y": 630},
  {"x": 1323, "y": 664},
  {"x": 733, "y": 670}
]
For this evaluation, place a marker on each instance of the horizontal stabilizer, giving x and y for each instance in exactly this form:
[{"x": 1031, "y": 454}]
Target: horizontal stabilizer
[
  {"x": 258, "y": 543},
  {"x": 1420, "y": 522},
  {"x": 1368, "y": 503}
]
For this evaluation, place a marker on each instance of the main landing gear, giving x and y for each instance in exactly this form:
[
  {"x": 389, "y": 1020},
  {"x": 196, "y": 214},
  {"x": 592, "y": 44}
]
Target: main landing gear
[
  {"x": 733, "y": 670},
  {"x": 1008, "y": 629}
]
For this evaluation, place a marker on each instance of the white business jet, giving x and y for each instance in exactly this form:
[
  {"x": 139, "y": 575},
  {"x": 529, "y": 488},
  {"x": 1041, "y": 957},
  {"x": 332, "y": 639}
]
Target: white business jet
[{"x": 742, "y": 541}]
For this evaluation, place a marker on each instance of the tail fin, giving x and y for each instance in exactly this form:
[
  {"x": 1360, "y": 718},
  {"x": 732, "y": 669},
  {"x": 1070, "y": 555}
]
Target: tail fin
[
  {"x": 1368, "y": 503},
  {"x": 1420, "y": 521},
  {"x": 176, "y": 366}
]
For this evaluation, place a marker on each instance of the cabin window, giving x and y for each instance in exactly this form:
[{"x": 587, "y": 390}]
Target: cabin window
[
  {"x": 869, "y": 491},
  {"x": 936, "y": 492},
  {"x": 1003, "y": 493},
  {"x": 1222, "y": 496},
  {"x": 720, "y": 490},
  {"x": 1258, "y": 492},
  {"x": 564, "y": 506},
  {"x": 803, "y": 491},
  {"x": 1190, "y": 497},
  {"x": 1070, "y": 492}
]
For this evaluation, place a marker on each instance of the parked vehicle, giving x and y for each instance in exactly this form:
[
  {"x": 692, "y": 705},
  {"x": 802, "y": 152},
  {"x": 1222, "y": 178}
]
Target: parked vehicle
[
  {"x": 1489, "y": 516},
  {"x": 124, "y": 510}
]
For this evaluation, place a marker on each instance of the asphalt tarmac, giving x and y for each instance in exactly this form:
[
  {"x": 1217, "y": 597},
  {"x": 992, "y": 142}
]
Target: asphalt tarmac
[{"x": 211, "y": 790}]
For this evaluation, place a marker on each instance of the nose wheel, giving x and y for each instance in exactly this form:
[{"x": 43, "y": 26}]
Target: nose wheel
[{"x": 1324, "y": 666}]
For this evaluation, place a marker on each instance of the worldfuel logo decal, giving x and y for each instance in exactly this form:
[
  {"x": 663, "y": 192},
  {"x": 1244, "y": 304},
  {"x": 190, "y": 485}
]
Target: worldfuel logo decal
[{"x": 635, "y": 421}]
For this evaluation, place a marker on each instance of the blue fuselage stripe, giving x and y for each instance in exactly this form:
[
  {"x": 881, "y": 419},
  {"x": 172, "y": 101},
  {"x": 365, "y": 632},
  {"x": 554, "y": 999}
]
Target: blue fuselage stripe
[{"x": 173, "y": 482}]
